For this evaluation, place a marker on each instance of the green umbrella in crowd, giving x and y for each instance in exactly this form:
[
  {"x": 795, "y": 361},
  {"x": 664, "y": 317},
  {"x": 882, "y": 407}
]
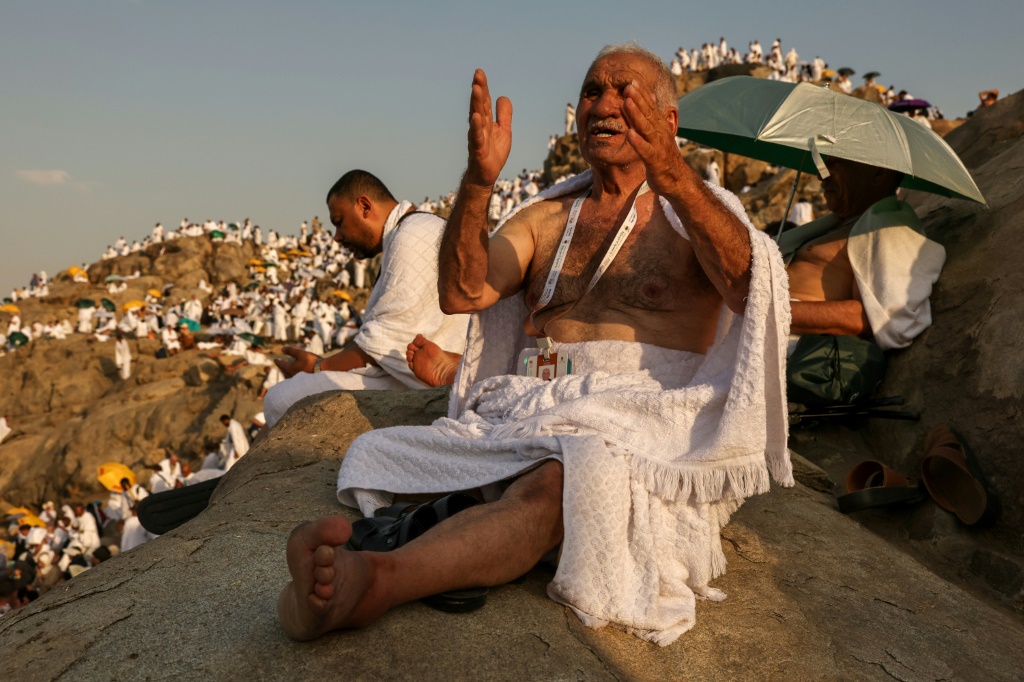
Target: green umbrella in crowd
[
  {"x": 216, "y": 234},
  {"x": 251, "y": 338},
  {"x": 85, "y": 303},
  {"x": 192, "y": 325},
  {"x": 17, "y": 339},
  {"x": 108, "y": 304},
  {"x": 795, "y": 125}
]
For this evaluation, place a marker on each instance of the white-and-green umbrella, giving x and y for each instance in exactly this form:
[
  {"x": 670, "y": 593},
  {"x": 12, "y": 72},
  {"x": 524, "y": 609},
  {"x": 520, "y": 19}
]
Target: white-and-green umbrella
[{"x": 794, "y": 125}]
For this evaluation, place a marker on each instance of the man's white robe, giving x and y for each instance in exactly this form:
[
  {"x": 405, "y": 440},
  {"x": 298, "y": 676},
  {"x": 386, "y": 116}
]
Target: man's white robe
[
  {"x": 123, "y": 358},
  {"x": 659, "y": 447},
  {"x": 236, "y": 444},
  {"x": 404, "y": 303}
]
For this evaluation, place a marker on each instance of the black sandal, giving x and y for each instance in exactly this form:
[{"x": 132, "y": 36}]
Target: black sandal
[{"x": 399, "y": 524}]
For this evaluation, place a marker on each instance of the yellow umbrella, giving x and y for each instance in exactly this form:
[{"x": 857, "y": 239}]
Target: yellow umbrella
[
  {"x": 881, "y": 88},
  {"x": 133, "y": 305},
  {"x": 343, "y": 295},
  {"x": 155, "y": 293},
  {"x": 32, "y": 520},
  {"x": 260, "y": 269},
  {"x": 9, "y": 308},
  {"x": 111, "y": 473},
  {"x": 75, "y": 270},
  {"x": 18, "y": 511},
  {"x": 255, "y": 261},
  {"x": 828, "y": 73}
]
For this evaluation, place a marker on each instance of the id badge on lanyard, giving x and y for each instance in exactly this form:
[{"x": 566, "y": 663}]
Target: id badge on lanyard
[
  {"x": 545, "y": 363},
  {"x": 548, "y": 361}
]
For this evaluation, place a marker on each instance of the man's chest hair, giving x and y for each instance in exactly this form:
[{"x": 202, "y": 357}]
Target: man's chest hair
[{"x": 653, "y": 269}]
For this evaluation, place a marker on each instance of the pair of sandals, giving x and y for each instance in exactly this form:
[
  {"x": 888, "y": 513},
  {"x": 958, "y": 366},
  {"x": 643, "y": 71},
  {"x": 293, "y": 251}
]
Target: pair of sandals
[
  {"x": 395, "y": 526},
  {"x": 950, "y": 475}
]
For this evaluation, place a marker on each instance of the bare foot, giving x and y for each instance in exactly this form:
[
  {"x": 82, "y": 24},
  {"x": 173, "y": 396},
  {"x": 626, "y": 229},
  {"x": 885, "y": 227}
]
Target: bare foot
[
  {"x": 430, "y": 363},
  {"x": 331, "y": 587}
]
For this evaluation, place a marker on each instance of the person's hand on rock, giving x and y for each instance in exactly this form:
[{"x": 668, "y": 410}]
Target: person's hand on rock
[{"x": 303, "y": 361}]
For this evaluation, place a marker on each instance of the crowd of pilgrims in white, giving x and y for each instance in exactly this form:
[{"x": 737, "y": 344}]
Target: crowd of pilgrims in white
[{"x": 786, "y": 67}]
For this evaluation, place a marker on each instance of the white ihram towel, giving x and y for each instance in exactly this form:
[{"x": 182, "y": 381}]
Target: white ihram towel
[{"x": 657, "y": 452}]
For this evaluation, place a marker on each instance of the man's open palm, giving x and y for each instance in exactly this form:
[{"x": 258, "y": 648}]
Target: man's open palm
[{"x": 490, "y": 139}]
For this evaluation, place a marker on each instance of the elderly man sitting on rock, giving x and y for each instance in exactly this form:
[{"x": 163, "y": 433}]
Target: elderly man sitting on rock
[
  {"x": 620, "y": 395},
  {"x": 404, "y": 302},
  {"x": 866, "y": 269}
]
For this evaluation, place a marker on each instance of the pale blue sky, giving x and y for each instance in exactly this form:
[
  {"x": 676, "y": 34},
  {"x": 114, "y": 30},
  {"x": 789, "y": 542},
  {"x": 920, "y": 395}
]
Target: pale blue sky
[{"x": 154, "y": 110}]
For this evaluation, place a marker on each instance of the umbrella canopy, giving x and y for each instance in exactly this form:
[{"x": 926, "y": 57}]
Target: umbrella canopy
[
  {"x": 251, "y": 338},
  {"x": 85, "y": 303},
  {"x": 155, "y": 293},
  {"x": 255, "y": 261},
  {"x": 18, "y": 512},
  {"x": 872, "y": 74},
  {"x": 32, "y": 520},
  {"x": 133, "y": 305},
  {"x": 846, "y": 71},
  {"x": 788, "y": 124},
  {"x": 9, "y": 308},
  {"x": 269, "y": 264},
  {"x": 17, "y": 339},
  {"x": 75, "y": 270},
  {"x": 908, "y": 104},
  {"x": 232, "y": 226},
  {"x": 297, "y": 252},
  {"x": 192, "y": 325},
  {"x": 828, "y": 73},
  {"x": 343, "y": 295},
  {"x": 113, "y": 278},
  {"x": 216, "y": 234},
  {"x": 111, "y": 473},
  {"x": 881, "y": 88},
  {"x": 108, "y": 304}
]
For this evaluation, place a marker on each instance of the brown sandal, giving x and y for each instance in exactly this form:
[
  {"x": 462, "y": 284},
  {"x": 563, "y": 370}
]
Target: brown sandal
[{"x": 950, "y": 477}]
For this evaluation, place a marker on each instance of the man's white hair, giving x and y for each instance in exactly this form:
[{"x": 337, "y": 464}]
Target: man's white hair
[{"x": 664, "y": 82}]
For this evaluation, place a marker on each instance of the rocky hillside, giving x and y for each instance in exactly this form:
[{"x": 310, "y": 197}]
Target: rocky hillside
[{"x": 71, "y": 412}]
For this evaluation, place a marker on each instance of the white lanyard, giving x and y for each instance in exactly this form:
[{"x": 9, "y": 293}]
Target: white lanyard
[{"x": 563, "y": 248}]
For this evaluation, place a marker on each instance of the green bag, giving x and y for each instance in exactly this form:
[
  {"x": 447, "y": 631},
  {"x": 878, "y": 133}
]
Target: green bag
[{"x": 826, "y": 369}]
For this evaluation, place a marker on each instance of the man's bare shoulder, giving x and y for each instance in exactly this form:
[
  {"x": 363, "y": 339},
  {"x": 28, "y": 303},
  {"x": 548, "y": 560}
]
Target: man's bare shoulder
[{"x": 538, "y": 218}]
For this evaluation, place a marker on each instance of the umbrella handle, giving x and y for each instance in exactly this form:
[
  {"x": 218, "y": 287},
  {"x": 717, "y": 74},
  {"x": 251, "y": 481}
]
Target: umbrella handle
[{"x": 789, "y": 204}]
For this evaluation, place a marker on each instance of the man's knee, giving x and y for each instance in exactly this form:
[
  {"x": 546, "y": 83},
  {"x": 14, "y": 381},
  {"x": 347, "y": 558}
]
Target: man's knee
[{"x": 542, "y": 486}]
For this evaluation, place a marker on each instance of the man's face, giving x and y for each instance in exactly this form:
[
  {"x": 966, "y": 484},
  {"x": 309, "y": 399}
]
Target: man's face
[
  {"x": 79, "y": 510},
  {"x": 353, "y": 227},
  {"x": 847, "y": 185},
  {"x": 600, "y": 117}
]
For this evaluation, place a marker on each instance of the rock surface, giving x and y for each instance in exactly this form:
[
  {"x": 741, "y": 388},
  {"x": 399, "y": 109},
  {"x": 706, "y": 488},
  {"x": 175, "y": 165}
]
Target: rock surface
[{"x": 812, "y": 595}]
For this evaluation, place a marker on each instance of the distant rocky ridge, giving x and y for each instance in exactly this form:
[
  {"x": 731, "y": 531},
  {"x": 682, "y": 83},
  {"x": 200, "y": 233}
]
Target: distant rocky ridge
[{"x": 71, "y": 412}]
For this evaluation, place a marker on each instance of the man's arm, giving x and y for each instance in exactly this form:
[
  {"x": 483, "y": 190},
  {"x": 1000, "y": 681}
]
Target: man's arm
[
  {"x": 474, "y": 272},
  {"x": 720, "y": 240},
  {"x": 845, "y": 318},
  {"x": 349, "y": 357}
]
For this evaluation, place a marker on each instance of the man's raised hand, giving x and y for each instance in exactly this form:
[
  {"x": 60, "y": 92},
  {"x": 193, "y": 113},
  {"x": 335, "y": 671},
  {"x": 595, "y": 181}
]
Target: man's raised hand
[
  {"x": 490, "y": 139},
  {"x": 652, "y": 133}
]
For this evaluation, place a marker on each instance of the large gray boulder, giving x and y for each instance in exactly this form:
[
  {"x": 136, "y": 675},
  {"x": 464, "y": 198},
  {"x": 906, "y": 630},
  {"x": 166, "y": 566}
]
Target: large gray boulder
[{"x": 812, "y": 595}]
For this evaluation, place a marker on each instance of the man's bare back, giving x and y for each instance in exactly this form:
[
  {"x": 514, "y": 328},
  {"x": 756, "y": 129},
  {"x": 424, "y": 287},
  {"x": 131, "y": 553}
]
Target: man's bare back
[{"x": 654, "y": 291}]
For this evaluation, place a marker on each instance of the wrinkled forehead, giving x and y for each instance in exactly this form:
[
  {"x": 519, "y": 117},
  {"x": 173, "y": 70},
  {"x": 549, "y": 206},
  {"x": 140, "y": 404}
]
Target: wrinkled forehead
[{"x": 618, "y": 70}]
